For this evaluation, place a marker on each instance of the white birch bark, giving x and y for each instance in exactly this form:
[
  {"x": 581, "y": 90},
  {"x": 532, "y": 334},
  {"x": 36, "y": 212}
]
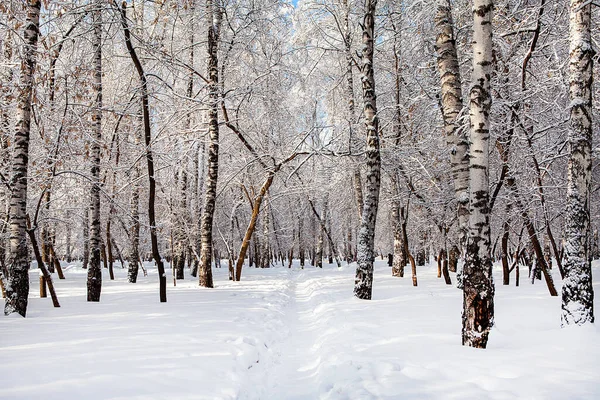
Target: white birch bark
[
  {"x": 94, "y": 275},
  {"x": 452, "y": 106},
  {"x": 363, "y": 284},
  {"x": 17, "y": 284},
  {"x": 214, "y": 18},
  {"x": 577, "y": 291},
  {"x": 478, "y": 291}
]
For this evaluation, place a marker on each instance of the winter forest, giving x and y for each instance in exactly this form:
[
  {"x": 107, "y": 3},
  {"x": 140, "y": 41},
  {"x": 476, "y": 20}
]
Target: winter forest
[{"x": 299, "y": 199}]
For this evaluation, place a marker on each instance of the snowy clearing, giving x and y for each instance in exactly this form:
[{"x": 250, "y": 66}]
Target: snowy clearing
[{"x": 292, "y": 334}]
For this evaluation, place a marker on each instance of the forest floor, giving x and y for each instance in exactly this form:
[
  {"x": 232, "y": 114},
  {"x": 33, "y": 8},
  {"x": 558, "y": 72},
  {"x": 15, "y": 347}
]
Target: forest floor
[{"x": 292, "y": 334}]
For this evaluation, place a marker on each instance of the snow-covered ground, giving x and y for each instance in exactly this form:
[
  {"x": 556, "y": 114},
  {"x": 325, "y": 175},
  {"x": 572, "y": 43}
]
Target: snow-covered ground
[{"x": 292, "y": 334}]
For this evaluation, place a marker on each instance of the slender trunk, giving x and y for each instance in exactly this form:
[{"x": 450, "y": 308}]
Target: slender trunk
[
  {"x": 214, "y": 14},
  {"x": 45, "y": 278},
  {"x": 134, "y": 207},
  {"x": 504, "y": 257},
  {"x": 319, "y": 249},
  {"x": 266, "y": 242},
  {"x": 452, "y": 107},
  {"x": 252, "y": 225},
  {"x": 578, "y": 291},
  {"x": 399, "y": 259},
  {"x": 54, "y": 259},
  {"x": 537, "y": 248},
  {"x": 301, "y": 246},
  {"x": 149, "y": 159},
  {"x": 86, "y": 237},
  {"x": 478, "y": 291},
  {"x": 180, "y": 216},
  {"x": 327, "y": 233},
  {"x": 109, "y": 252},
  {"x": 363, "y": 285},
  {"x": 94, "y": 277},
  {"x": 199, "y": 181}
]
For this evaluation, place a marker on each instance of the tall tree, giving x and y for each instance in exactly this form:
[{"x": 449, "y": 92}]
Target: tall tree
[
  {"x": 214, "y": 18},
  {"x": 162, "y": 277},
  {"x": 478, "y": 291},
  {"x": 17, "y": 288},
  {"x": 363, "y": 284},
  {"x": 577, "y": 291},
  {"x": 94, "y": 275},
  {"x": 452, "y": 107}
]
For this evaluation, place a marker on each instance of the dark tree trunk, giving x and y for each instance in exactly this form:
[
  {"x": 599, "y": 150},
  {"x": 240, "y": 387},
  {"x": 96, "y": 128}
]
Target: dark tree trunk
[
  {"x": 45, "y": 278},
  {"x": 149, "y": 159}
]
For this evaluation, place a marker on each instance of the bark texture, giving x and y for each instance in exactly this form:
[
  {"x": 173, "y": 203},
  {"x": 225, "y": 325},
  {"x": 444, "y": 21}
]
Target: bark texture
[
  {"x": 399, "y": 259},
  {"x": 363, "y": 284},
  {"x": 17, "y": 283},
  {"x": 94, "y": 274},
  {"x": 214, "y": 17},
  {"x": 478, "y": 290},
  {"x": 134, "y": 209},
  {"x": 452, "y": 106},
  {"x": 577, "y": 291}
]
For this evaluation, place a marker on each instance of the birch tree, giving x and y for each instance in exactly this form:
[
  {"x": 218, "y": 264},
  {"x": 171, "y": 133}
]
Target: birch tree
[
  {"x": 214, "y": 18},
  {"x": 577, "y": 291},
  {"x": 452, "y": 108},
  {"x": 363, "y": 284},
  {"x": 17, "y": 287},
  {"x": 478, "y": 291},
  {"x": 94, "y": 274}
]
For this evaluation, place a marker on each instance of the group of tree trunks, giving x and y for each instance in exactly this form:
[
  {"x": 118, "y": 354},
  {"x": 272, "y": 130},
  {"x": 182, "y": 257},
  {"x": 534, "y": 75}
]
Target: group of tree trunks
[{"x": 467, "y": 141}]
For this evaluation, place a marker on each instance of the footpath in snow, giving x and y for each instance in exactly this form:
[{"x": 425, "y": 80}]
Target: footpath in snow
[{"x": 292, "y": 334}]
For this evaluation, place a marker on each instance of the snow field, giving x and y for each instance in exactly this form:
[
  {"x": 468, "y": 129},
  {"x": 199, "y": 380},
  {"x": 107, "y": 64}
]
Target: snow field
[{"x": 291, "y": 334}]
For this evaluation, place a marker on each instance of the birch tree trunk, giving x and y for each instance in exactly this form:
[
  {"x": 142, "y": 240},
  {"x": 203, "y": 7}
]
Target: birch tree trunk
[
  {"x": 134, "y": 207},
  {"x": 214, "y": 17},
  {"x": 301, "y": 240},
  {"x": 577, "y": 291},
  {"x": 319, "y": 248},
  {"x": 399, "y": 259},
  {"x": 94, "y": 275},
  {"x": 5, "y": 127},
  {"x": 478, "y": 291},
  {"x": 452, "y": 106},
  {"x": 199, "y": 180},
  {"x": 363, "y": 284},
  {"x": 17, "y": 285},
  {"x": 349, "y": 89}
]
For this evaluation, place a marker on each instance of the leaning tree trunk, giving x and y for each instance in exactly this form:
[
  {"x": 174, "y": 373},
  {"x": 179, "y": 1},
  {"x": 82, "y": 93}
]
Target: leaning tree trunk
[
  {"x": 363, "y": 284},
  {"x": 17, "y": 287},
  {"x": 577, "y": 291},
  {"x": 452, "y": 106},
  {"x": 478, "y": 291},
  {"x": 162, "y": 277},
  {"x": 214, "y": 16},
  {"x": 94, "y": 275}
]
